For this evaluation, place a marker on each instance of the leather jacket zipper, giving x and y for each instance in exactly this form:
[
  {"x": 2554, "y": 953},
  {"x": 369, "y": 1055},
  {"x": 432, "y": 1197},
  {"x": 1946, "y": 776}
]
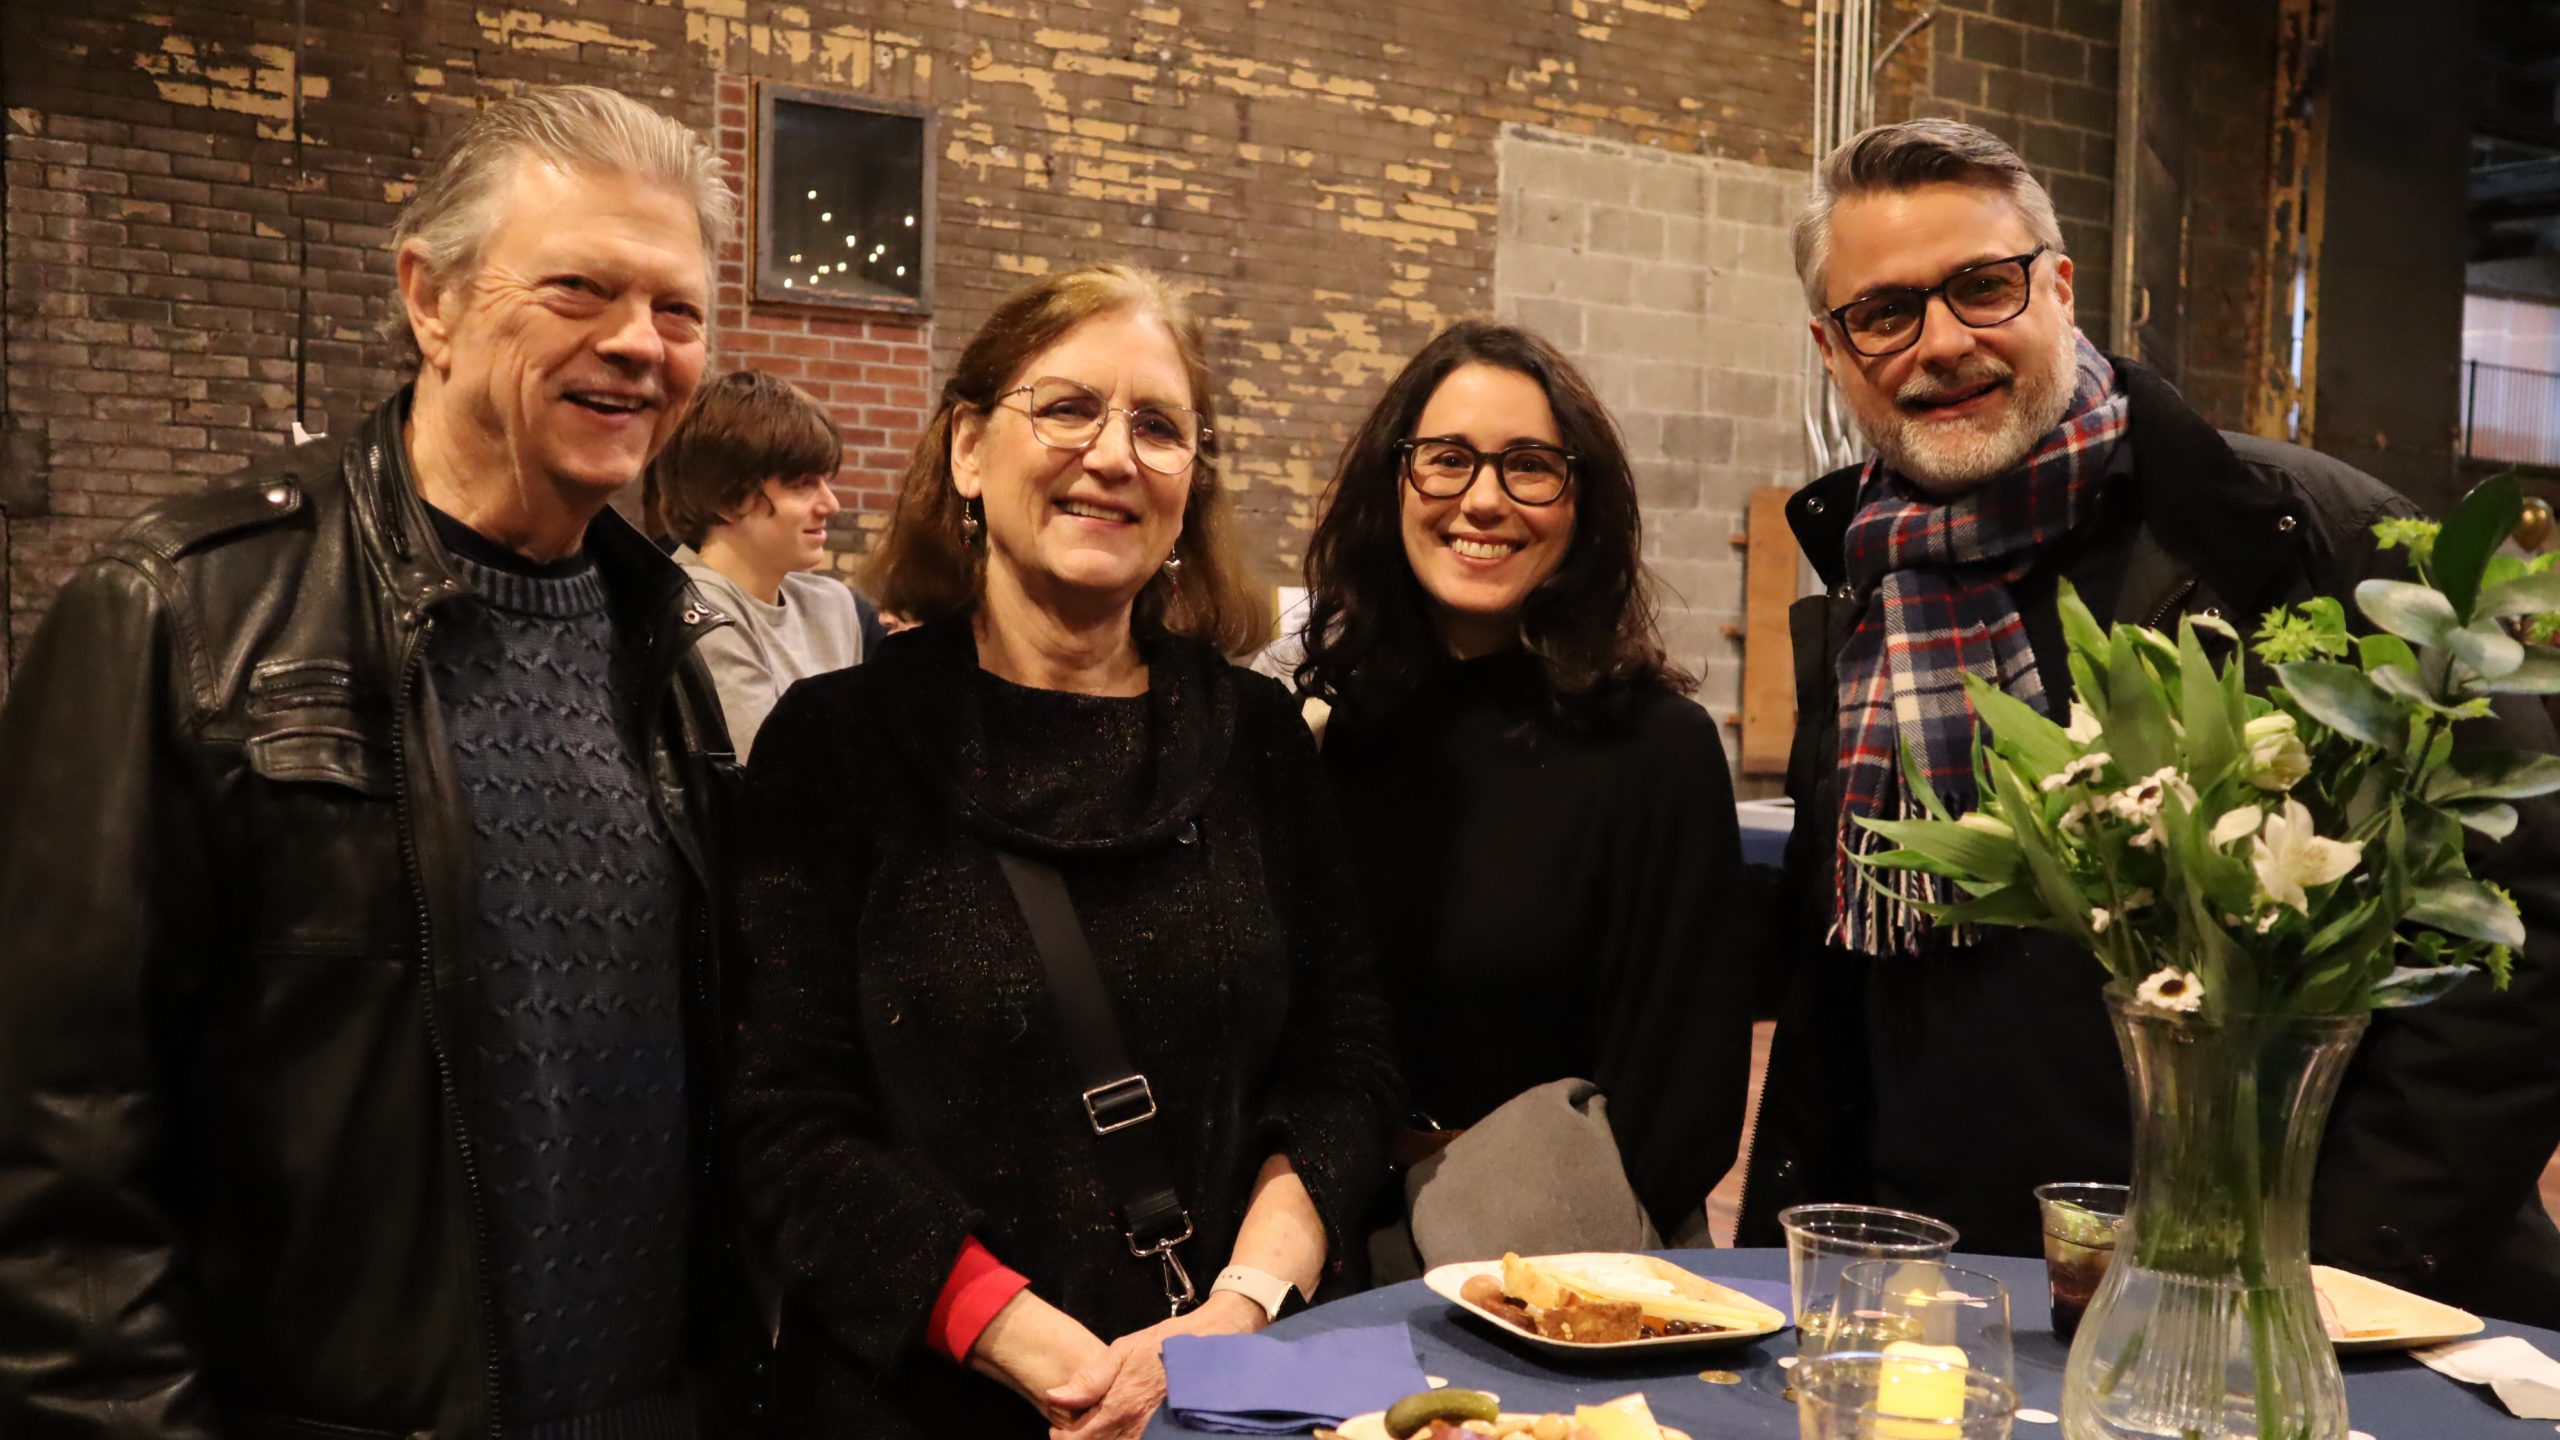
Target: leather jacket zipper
[
  {"x": 2170, "y": 606},
  {"x": 412, "y": 666}
]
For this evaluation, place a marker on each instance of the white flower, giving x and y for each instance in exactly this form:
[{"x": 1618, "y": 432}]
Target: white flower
[
  {"x": 2290, "y": 856},
  {"x": 2076, "y": 819},
  {"x": 2100, "y": 917},
  {"x": 2172, "y": 989},
  {"x": 2084, "y": 727},
  {"x": 1987, "y": 823},
  {"x": 2086, "y": 767},
  {"x": 2237, "y": 825},
  {"x": 2277, "y": 760},
  {"x": 2140, "y": 803}
]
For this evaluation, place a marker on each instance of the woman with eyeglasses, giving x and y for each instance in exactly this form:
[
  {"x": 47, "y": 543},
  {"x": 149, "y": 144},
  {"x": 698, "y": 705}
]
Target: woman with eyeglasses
[
  {"x": 1541, "y": 821},
  {"x": 981, "y": 1214}
]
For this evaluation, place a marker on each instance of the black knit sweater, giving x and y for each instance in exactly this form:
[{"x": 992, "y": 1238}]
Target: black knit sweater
[
  {"x": 1550, "y": 902},
  {"x": 904, "y": 1084}
]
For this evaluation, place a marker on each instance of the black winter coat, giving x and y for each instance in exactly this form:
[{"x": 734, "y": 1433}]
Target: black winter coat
[
  {"x": 236, "y": 1190},
  {"x": 905, "y": 1083},
  {"x": 1954, "y": 1083}
]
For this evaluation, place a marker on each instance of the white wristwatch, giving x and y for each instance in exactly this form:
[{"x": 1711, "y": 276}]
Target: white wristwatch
[{"x": 1259, "y": 1286}]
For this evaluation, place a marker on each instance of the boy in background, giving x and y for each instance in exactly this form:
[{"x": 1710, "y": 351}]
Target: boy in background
[{"x": 746, "y": 487}]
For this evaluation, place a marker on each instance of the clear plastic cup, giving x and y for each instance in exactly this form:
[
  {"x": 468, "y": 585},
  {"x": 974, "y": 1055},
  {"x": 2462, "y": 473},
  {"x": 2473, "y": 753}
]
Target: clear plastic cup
[
  {"x": 2082, "y": 1222},
  {"x": 1823, "y": 1240}
]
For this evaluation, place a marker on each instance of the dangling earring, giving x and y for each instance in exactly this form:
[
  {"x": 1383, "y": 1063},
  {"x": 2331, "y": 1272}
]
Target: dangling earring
[
  {"x": 969, "y": 523},
  {"x": 1172, "y": 569}
]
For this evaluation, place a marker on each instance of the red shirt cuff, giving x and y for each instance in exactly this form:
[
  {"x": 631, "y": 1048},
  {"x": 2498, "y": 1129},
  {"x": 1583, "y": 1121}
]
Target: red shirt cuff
[{"x": 978, "y": 1286}]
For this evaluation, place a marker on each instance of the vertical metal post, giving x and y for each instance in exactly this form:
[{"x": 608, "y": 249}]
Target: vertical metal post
[{"x": 2470, "y": 407}]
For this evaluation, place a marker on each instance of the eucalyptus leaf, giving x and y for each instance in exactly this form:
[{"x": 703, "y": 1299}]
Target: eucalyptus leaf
[
  {"x": 2393, "y": 680},
  {"x": 2419, "y": 614},
  {"x": 2494, "y": 821},
  {"x": 2469, "y": 908},
  {"x": 2494, "y": 775},
  {"x": 2340, "y": 697},
  {"x": 2404, "y": 987},
  {"x": 2538, "y": 675},
  {"x": 2471, "y": 534},
  {"x": 2488, "y": 649},
  {"x": 2524, "y": 595},
  {"x": 2379, "y": 650}
]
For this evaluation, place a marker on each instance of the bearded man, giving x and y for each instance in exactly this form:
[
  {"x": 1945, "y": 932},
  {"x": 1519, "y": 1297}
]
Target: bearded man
[
  {"x": 355, "y": 877},
  {"x": 1951, "y": 1074}
]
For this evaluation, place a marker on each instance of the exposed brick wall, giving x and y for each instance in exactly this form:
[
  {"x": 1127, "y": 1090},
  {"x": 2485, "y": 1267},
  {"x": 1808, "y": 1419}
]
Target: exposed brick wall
[
  {"x": 2233, "y": 100},
  {"x": 2041, "y": 74},
  {"x": 871, "y": 372},
  {"x": 1324, "y": 175}
]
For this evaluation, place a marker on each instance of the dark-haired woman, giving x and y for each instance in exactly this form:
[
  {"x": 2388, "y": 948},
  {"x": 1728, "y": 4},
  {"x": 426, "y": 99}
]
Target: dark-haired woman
[
  {"x": 1540, "y": 820},
  {"x": 949, "y": 1195}
]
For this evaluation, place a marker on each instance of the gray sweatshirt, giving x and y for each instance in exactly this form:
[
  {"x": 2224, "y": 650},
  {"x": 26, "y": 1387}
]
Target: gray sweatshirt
[{"x": 814, "y": 629}]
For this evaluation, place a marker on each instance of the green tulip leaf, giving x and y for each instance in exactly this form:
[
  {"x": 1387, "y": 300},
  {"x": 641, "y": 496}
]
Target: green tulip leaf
[
  {"x": 2213, "y": 733},
  {"x": 1915, "y": 779},
  {"x": 2471, "y": 534},
  {"x": 1970, "y": 851},
  {"x": 2019, "y": 728},
  {"x": 2138, "y": 733}
]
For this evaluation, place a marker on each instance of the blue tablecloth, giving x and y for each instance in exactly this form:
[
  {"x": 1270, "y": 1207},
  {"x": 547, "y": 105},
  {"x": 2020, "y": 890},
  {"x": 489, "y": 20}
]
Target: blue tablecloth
[{"x": 2389, "y": 1396}]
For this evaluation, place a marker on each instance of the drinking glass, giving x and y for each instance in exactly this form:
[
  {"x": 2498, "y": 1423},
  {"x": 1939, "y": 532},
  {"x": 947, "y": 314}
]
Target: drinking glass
[
  {"x": 1823, "y": 1240},
  {"x": 1961, "y": 1315},
  {"x": 1863, "y": 1395},
  {"x": 2081, "y": 1224}
]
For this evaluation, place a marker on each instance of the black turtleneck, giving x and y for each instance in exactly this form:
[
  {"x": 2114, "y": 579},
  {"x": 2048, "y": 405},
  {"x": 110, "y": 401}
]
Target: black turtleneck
[{"x": 1549, "y": 902}]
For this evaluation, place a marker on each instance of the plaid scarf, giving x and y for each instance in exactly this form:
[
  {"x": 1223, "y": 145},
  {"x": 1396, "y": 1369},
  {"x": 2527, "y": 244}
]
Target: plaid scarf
[{"x": 1935, "y": 579}]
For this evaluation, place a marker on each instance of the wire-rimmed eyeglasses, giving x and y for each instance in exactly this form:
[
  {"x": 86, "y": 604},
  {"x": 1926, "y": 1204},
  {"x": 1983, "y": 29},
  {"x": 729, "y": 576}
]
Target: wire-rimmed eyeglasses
[
  {"x": 1070, "y": 415},
  {"x": 1888, "y": 322},
  {"x": 1443, "y": 466}
]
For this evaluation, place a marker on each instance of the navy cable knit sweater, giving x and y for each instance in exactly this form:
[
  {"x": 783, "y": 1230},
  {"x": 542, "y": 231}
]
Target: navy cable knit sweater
[{"x": 579, "y": 1111}]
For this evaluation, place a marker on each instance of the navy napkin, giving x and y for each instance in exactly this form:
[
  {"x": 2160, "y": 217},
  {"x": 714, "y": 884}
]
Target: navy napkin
[{"x": 1256, "y": 1385}]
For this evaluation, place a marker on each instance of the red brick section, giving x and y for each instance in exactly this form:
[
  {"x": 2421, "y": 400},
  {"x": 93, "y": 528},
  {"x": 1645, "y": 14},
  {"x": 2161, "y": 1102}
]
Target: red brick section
[{"x": 871, "y": 372}]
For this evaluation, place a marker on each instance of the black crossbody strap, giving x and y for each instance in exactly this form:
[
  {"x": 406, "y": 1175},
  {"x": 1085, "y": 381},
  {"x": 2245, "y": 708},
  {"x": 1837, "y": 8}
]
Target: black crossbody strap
[{"x": 1119, "y": 1104}]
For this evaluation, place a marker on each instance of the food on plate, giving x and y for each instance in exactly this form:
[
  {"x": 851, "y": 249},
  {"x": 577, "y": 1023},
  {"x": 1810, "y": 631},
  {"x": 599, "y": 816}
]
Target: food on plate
[
  {"x": 1625, "y": 1418},
  {"x": 1410, "y": 1414},
  {"x": 1609, "y": 1299}
]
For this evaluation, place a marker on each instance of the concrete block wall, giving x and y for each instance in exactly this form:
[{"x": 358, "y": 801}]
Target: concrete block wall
[
  {"x": 1668, "y": 279},
  {"x": 2041, "y": 74}
]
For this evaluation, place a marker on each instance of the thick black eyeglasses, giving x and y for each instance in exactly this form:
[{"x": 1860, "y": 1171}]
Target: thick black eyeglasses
[
  {"x": 1068, "y": 415},
  {"x": 1442, "y": 467},
  {"x": 1889, "y": 322}
]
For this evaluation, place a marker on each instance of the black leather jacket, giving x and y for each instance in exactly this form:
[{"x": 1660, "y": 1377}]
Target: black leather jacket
[
  {"x": 237, "y": 1197},
  {"x": 1978, "y": 1074}
]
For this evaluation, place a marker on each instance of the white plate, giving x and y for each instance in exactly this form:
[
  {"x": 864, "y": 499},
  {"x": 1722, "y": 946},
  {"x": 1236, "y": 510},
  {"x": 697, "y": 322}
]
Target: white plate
[
  {"x": 1373, "y": 1426},
  {"x": 1445, "y": 1280},
  {"x": 2393, "y": 1318}
]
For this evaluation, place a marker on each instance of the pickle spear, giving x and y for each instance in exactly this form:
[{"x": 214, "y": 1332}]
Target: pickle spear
[{"x": 1417, "y": 1410}]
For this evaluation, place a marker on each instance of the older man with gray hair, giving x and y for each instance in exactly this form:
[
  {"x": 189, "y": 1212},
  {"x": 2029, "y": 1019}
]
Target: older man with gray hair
[
  {"x": 356, "y": 876},
  {"x": 1950, "y": 1074}
]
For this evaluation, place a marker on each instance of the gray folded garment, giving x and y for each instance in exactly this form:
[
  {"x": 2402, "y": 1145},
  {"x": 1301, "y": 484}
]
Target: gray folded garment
[{"x": 1541, "y": 1175}]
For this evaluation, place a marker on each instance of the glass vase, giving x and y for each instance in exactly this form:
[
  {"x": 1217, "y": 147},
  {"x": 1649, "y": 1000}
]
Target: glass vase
[{"x": 2206, "y": 1327}]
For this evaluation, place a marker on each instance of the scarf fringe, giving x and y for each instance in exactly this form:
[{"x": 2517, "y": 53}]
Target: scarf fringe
[{"x": 1874, "y": 913}]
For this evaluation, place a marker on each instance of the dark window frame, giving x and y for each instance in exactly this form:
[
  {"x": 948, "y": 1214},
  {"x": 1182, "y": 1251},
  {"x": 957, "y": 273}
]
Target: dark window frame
[{"x": 765, "y": 278}]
